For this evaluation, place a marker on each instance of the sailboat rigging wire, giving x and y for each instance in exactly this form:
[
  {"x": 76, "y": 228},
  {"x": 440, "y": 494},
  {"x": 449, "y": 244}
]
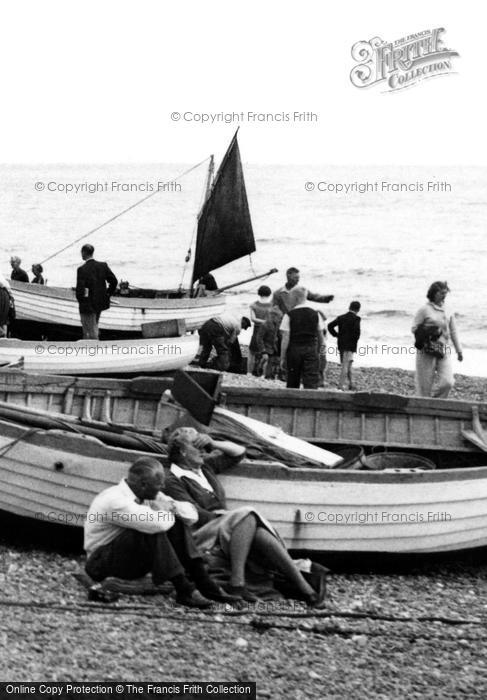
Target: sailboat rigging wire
[
  {"x": 195, "y": 229},
  {"x": 117, "y": 216}
]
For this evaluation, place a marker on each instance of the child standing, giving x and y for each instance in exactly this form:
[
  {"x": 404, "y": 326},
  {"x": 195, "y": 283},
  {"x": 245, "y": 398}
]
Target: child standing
[
  {"x": 348, "y": 335},
  {"x": 259, "y": 313},
  {"x": 267, "y": 359}
]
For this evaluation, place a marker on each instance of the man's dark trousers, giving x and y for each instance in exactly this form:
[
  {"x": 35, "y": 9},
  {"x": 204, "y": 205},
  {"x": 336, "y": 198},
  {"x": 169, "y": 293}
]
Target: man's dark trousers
[
  {"x": 133, "y": 554},
  {"x": 302, "y": 364}
]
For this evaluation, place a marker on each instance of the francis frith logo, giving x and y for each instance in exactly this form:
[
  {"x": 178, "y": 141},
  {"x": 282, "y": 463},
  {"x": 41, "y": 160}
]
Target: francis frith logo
[{"x": 402, "y": 63}]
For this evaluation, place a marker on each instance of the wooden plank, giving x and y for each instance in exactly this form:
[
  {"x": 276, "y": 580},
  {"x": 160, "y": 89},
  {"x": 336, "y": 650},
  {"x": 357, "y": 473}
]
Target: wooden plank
[
  {"x": 193, "y": 398},
  {"x": 173, "y": 328}
]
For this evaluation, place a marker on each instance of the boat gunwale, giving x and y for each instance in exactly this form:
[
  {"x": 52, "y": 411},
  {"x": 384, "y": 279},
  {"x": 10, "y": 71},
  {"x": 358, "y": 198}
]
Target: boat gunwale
[
  {"x": 68, "y": 294},
  {"x": 258, "y": 469}
]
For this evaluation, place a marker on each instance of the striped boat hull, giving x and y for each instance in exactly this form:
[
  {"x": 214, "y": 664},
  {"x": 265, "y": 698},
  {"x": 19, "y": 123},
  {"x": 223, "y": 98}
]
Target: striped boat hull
[
  {"x": 58, "y": 306},
  {"x": 54, "y": 476}
]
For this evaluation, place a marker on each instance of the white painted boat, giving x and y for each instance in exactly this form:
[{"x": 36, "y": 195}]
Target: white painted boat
[
  {"x": 365, "y": 511},
  {"x": 54, "y": 475},
  {"x": 56, "y": 307},
  {"x": 92, "y": 357}
]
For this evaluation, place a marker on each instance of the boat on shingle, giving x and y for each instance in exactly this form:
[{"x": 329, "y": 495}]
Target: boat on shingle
[{"x": 53, "y": 474}]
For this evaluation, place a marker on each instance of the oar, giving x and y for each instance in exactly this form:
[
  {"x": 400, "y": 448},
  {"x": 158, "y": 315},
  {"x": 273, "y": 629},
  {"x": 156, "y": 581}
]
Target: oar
[{"x": 130, "y": 440}]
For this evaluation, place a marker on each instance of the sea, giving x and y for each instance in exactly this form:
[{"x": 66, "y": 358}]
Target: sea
[{"x": 379, "y": 235}]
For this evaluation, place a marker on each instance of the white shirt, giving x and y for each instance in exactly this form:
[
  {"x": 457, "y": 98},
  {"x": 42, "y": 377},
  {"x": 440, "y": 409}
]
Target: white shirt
[
  {"x": 116, "y": 508},
  {"x": 198, "y": 476}
]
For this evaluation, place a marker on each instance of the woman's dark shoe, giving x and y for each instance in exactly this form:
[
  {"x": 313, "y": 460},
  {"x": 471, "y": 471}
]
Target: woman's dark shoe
[
  {"x": 193, "y": 600},
  {"x": 317, "y": 580},
  {"x": 242, "y": 592},
  {"x": 213, "y": 591}
]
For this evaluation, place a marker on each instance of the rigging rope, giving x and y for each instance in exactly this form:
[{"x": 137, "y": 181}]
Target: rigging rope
[{"x": 117, "y": 216}]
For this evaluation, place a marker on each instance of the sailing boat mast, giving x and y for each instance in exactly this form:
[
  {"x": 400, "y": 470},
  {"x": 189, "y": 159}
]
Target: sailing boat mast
[{"x": 211, "y": 170}]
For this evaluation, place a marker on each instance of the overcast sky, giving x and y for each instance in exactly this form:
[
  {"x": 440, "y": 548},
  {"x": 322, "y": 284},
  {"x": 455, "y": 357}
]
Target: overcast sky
[{"x": 97, "y": 82}]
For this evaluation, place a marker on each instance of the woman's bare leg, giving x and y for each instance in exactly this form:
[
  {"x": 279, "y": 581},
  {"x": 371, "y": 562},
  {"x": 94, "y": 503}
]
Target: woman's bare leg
[
  {"x": 277, "y": 555},
  {"x": 243, "y": 536}
]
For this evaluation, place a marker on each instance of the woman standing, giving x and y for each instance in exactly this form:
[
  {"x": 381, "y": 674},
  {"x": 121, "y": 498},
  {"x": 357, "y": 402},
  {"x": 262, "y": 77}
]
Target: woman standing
[
  {"x": 6, "y": 301},
  {"x": 434, "y": 328}
]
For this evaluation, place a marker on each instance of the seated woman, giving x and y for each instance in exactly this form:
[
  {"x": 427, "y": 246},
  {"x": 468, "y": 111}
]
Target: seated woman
[{"x": 236, "y": 535}]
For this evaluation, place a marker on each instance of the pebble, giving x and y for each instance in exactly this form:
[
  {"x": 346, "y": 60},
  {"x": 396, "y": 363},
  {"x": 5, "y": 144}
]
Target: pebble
[{"x": 241, "y": 643}]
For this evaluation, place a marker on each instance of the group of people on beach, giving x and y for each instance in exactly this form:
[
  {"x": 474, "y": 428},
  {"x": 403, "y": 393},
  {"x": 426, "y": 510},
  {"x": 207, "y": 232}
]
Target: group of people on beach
[
  {"x": 289, "y": 336},
  {"x": 289, "y": 339}
]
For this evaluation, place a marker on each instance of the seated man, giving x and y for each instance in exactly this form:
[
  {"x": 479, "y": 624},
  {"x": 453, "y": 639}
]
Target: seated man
[
  {"x": 128, "y": 538},
  {"x": 239, "y": 536},
  {"x": 221, "y": 333}
]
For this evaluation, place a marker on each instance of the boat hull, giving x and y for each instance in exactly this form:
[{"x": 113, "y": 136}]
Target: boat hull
[
  {"x": 54, "y": 475},
  {"x": 93, "y": 357},
  {"x": 51, "y": 307},
  {"x": 321, "y": 417}
]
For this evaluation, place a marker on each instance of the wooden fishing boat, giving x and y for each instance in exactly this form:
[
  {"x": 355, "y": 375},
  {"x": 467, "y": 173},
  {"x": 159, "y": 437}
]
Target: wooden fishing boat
[
  {"x": 92, "y": 357},
  {"x": 53, "y": 475},
  {"x": 224, "y": 234},
  {"x": 327, "y": 418},
  {"x": 53, "y": 311}
]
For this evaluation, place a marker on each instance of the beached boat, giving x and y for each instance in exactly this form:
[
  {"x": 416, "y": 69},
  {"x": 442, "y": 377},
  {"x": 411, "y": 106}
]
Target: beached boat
[
  {"x": 105, "y": 357},
  {"x": 53, "y": 475},
  {"x": 328, "y": 418},
  {"x": 224, "y": 234},
  {"x": 53, "y": 312}
]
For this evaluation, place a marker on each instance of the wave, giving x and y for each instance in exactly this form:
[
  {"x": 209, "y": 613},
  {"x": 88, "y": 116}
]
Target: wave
[{"x": 390, "y": 313}]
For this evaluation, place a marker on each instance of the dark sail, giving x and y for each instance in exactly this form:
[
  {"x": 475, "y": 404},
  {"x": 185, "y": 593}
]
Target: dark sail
[{"x": 224, "y": 225}]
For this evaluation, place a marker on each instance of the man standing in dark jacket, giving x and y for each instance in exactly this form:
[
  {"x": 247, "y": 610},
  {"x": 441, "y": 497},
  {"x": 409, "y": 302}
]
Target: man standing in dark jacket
[
  {"x": 348, "y": 335},
  {"x": 92, "y": 292}
]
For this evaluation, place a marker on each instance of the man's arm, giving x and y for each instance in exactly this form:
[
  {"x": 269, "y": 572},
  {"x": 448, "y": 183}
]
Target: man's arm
[
  {"x": 111, "y": 279},
  {"x": 356, "y": 330},
  {"x": 140, "y": 517},
  {"x": 80, "y": 285},
  {"x": 284, "y": 347},
  {"x": 320, "y": 298},
  {"x": 332, "y": 326},
  {"x": 185, "y": 510}
]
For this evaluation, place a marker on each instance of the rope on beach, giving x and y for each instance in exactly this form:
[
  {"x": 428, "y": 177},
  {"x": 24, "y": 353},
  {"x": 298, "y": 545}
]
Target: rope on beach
[
  {"x": 257, "y": 616},
  {"x": 124, "y": 211}
]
